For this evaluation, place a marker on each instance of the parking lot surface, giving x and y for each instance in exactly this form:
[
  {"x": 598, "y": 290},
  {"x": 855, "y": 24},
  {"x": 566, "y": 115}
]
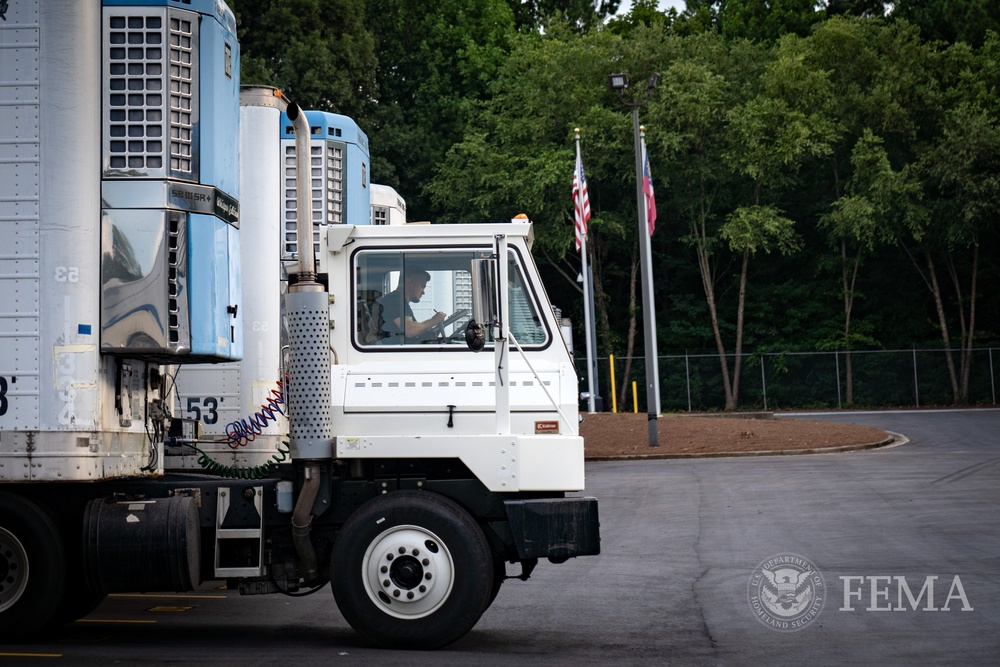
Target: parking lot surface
[{"x": 887, "y": 557}]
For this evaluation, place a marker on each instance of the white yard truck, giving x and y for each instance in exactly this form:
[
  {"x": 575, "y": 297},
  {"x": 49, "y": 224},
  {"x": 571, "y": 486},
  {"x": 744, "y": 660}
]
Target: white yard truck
[{"x": 407, "y": 466}]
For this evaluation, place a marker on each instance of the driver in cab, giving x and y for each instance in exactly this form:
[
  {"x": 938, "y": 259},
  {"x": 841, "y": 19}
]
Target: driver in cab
[{"x": 397, "y": 316}]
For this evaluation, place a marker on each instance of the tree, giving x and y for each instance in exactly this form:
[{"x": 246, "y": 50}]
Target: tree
[
  {"x": 696, "y": 92},
  {"x": 962, "y": 169},
  {"x": 584, "y": 14},
  {"x": 642, "y": 12},
  {"x": 860, "y": 8},
  {"x": 436, "y": 60},
  {"x": 321, "y": 54},
  {"x": 852, "y": 51},
  {"x": 766, "y": 20},
  {"x": 858, "y": 222},
  {"x": 950, "y": 20},
  {"x": 770, "y": 136}
]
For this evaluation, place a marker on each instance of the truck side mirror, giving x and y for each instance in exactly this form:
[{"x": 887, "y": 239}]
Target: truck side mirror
[
  {"x": 485, "y": 299},
  {"x": 475, "y": 337}
]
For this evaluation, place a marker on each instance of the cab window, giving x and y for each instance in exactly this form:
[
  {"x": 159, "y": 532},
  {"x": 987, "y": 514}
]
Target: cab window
[{"x": 424, "y": 298}]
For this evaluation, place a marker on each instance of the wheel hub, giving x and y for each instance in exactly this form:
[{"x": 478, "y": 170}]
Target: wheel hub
[
  {"x": 408, "y": 572},
  {"x": 13, "y": 569}
]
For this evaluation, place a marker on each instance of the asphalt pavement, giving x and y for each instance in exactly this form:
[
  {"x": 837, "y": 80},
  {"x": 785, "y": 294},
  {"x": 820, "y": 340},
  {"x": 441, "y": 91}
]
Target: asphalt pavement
[{"x": 888, "y": 557}]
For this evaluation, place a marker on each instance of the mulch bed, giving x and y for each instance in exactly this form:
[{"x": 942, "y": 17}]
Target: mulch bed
[{"x": 627, "y": 435}]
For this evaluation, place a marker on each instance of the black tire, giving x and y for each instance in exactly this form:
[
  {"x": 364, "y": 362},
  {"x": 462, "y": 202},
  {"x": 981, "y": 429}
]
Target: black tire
[
  {"x": 32, "y": 568},
  {"x": 78, "y": 601},
  {"x": 499, "y": 576},
  {"x": 411, "y": 569}
]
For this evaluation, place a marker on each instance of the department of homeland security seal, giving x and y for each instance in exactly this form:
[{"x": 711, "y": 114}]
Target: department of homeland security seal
[{"x": 786, "y": 592}]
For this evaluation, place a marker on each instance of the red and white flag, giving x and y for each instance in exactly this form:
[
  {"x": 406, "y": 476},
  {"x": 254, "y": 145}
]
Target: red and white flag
[
  {"x": 647, "y": 189},
  {"x": 581, "y": 200}
]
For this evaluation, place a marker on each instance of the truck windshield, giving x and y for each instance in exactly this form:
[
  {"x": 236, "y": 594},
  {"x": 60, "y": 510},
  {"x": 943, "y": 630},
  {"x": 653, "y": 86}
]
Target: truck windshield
[{"x": 423, "y": 298}]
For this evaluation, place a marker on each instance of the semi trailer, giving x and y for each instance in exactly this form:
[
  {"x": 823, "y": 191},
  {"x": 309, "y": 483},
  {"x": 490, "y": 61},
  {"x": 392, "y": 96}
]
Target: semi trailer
[{"x": 206, "y": 368}]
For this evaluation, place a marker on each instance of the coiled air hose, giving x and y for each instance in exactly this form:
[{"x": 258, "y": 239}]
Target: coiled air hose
[
  {"x": 244, "y": 431},
  {"x": 240, "y": 472}
]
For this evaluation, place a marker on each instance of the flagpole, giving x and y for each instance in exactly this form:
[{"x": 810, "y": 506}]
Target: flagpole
[
  {"x": 587, "y": 316},
  {"x": 648, "y": 306}
]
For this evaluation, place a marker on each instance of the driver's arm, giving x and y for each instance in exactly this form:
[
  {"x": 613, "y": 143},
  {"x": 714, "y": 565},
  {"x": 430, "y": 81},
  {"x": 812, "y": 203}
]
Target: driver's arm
[{"x": 416, "y": 329}]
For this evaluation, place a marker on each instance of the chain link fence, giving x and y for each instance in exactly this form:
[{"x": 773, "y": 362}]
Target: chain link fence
[{"x": 798, "y": 380}]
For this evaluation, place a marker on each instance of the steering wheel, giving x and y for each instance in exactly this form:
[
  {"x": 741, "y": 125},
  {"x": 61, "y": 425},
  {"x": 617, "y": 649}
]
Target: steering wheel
[{"x": 437, "y": 331}]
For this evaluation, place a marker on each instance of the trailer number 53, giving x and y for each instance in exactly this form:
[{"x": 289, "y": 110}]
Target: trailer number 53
[
  {"x": 67, "y": 274},
  {"x": 210, "y": 404}
]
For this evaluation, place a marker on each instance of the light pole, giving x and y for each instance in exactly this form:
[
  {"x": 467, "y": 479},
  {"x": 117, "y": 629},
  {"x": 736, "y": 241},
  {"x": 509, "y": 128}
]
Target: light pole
[{"x": 619, "y": 83}]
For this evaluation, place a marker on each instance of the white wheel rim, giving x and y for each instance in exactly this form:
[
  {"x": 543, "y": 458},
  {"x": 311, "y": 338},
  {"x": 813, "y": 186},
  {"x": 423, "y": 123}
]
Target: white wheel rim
[
  {"x": 13, "y": 570},
  {"x": 408, "y": 572}
]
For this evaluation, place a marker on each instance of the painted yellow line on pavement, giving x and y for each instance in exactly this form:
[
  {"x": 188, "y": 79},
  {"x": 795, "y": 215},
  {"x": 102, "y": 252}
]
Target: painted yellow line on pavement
[
  {"x": 112, "y": 620},
  {"x": 30, "y": 655},
  {"x": 167, "y": 595}
]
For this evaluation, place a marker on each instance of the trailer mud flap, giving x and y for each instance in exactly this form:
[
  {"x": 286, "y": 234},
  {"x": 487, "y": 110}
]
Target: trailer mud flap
[{"x": 555, "y": 528}]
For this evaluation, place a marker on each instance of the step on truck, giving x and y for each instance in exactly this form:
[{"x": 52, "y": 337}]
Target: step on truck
[{"x": 413, "y": 452}]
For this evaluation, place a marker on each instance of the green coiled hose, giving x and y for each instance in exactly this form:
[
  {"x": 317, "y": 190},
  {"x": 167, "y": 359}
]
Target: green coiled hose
[{"x": 240, "y": 472}]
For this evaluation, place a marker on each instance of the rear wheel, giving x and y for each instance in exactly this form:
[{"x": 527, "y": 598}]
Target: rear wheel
[
  {"x": 32, "y": 567},
  {"x": 412, "y": 569},
  {"x": 499, "y": 576}
]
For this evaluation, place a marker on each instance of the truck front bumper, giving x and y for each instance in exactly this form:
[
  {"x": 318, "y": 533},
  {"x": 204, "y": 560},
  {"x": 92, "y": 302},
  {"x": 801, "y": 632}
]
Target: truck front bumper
[{"x": 555, "y": 528}]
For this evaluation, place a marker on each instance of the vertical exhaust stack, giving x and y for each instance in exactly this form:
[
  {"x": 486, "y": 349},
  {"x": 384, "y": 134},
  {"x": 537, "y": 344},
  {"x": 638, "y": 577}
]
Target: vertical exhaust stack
[{"x": 307, "y": 309}]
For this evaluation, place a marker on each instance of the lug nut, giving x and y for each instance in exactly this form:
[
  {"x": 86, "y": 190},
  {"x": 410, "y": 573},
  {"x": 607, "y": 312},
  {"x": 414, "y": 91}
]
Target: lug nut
[
  {"x": 384, "y": 569},
  {"x": 402, "y": 550},
  {"x": 386, "y": 583},
  {"x": 416, "y": 552},
  {"x": 426, "y": 562},
  {"x": 388, "y": 556},
  {"x": 395, "y": 593},
  {"x": 422, "y": 589},
  {"x": 409, "y": 596},
  {"x": 427, "y": 576}
]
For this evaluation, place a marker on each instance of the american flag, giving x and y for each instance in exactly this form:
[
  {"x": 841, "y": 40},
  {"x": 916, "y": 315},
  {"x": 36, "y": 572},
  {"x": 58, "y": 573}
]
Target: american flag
[
  {"x": 581, "y": 201},
  {"x": 647, "y": 189}
]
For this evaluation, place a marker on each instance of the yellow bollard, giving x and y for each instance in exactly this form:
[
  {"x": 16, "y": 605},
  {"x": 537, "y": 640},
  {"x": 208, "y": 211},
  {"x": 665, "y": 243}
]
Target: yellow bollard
[
  {"x": 635, "y": 398},
  {"x": 614, "y": 398}
]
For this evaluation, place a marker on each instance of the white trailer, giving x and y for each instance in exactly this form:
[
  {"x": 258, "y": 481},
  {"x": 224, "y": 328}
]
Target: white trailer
[
  {"x": 388, "y": 207},
  {"x": 411, "y": 468}
]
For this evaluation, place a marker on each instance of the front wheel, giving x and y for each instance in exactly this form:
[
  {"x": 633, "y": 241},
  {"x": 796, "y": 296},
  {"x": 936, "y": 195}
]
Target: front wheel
[
  {"x": 411, "y": 569},
  {"x": 32, "y": 567}
]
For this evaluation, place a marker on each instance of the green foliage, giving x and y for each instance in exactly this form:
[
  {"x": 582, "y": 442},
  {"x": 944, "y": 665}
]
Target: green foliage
[
  {"x": 767, "y": 20},
  {"x": 964, "y": 169},
  {"x": 759, "y": 228},
  {"x": 861, "y": 8},
  {"x": 436, "y": 60},
  {"x": 321, "y": 54},
  {"x": 642, "y": 12},
  {"x": 951, "y": 20},
  {"x": 584, "y": 14},
  {"x": 844, "y": 155}
]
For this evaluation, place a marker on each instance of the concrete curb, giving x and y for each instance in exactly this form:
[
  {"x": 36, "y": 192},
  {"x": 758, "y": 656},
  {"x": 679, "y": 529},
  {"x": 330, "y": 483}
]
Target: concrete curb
[{"x": 894, "y": 440}]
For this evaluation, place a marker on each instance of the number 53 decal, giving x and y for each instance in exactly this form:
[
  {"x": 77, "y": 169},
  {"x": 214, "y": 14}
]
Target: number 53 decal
[{"x": 210, "y": 404}]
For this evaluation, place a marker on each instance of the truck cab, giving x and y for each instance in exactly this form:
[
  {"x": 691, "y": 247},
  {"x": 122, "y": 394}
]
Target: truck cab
[{"x": 415, "y": 386}]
